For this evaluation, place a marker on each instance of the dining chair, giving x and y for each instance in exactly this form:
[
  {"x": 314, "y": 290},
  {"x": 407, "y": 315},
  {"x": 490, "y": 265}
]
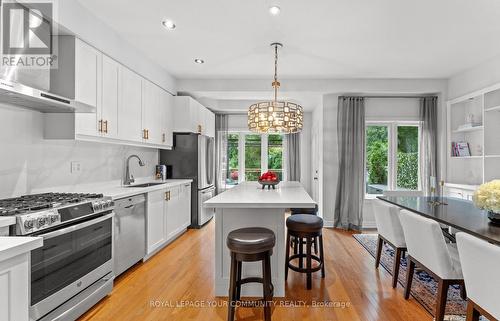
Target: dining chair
[
  {"x": 390, "y": 232},
  {"x": 480, "y": 261},
  {"x": 428, "y": 250}
]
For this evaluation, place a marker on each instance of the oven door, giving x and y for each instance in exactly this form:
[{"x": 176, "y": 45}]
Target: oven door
[{"x": 70, "y": 260}]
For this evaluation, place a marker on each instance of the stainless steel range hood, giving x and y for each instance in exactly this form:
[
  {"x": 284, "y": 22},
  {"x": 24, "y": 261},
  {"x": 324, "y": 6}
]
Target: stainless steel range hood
[{"x": 32, "y": 98}]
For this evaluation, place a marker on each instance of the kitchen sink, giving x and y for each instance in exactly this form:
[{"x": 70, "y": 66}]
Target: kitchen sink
[{"x": 144, "y": 185}]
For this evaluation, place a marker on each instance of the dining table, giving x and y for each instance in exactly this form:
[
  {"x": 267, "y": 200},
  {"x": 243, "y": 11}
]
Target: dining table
[{"x": 460, "y": 214}]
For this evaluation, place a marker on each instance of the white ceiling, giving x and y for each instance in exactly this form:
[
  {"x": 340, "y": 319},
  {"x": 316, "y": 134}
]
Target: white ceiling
[{"x": 322, "y": 38}]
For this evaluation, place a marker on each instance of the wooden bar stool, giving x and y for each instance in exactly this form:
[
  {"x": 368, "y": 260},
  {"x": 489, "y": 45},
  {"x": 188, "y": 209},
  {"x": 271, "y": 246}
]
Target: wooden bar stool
[
  {"x": 298, "y": 244},
  {"x": 249, "y": 245},
  {"x": 308, "y": 227}
]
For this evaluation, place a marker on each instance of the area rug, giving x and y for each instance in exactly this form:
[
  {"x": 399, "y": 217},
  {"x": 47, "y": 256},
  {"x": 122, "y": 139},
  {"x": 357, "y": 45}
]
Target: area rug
[{"x": 423, "y": 288}]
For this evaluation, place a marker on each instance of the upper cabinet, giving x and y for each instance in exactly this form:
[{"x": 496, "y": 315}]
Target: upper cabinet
[
  {"x": 129, "y": 105},
  {"x": 192, "y": 117},
  {"x": 130, "y": 109}
]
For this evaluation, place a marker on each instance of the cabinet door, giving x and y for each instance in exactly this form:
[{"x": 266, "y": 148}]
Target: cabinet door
[
  {"x": 209, "y": 123},
  {"x": 88, "y": 65},
  {"x": 129, "y": 105},
  {"x": 109, "y": 105},
  {"x": 185, "y": 210},
  {"x": 173, "y": 210},
  {"x": 14, "y": 286},
  {"x": 87, "y": 73},
  {"x": 166, "y": 115},
  {"x": 151, "y": 118},
  {"x": 156, "y": 220}
]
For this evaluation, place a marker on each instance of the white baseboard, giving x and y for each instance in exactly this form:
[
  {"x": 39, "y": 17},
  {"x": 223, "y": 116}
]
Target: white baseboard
[{"x": 327, "y": 223}]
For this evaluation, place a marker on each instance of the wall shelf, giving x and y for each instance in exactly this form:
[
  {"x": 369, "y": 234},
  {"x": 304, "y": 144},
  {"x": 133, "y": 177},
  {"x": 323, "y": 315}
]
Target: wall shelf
[
  {"x": 496, "y": 108},
  {"x": 466, "y": 157},
  {"x": 492, "y": 156},
  {"x": 470, "y": 129}
]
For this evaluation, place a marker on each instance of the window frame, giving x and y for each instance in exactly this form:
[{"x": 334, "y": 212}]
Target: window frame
[
  {"x": 264, "y": 161},
  {"x": 392, "y": 137}
]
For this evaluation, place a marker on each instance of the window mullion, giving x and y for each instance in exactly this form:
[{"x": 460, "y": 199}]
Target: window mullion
[
  {"x": 241, "y": 157},
  {"x": 264, "y": 152}
]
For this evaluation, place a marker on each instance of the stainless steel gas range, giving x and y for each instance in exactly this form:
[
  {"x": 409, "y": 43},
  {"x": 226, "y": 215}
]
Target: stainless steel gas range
[{"x": 74, "y": 268}]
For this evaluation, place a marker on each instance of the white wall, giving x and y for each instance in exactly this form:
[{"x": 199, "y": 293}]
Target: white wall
[
  {"x": 394, "y": 87},
  {"x": 73, "y": 16},
  {"x": 28, "y": 162},
  {"x": 479, "y": 77}
]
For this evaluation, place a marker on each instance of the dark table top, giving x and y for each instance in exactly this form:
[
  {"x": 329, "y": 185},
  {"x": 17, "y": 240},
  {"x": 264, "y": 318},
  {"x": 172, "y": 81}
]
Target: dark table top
[{"x": 460, "y": 214}]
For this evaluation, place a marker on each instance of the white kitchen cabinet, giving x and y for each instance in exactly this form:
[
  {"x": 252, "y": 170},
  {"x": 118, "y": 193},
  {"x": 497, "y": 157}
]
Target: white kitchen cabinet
[
  {"x": 465, "y": 192},
  {"x": 14, "y": 287},
  {"x": 129, "y": 105},
  {"x": 168, "y": 215},
  {"x": 151, "y": 115},
  {"x": 156, "y": 220},
  {"x": 107, "y": 114},
  {"x": 193, "y": 117},
  {"x": 167, "y": 118}
]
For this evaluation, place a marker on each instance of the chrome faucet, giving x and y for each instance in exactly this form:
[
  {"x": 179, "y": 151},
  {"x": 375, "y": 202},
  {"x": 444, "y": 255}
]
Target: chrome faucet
[{"x": 129, "y": 178}]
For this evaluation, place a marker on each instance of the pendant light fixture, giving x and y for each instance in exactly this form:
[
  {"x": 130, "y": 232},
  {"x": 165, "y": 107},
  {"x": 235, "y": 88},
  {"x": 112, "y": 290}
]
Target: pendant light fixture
[{"x": 275, "y": 116}]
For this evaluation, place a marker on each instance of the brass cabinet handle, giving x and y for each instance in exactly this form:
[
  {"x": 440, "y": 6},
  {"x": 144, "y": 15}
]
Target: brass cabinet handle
[
  {"x": 100, "y": 126},
  {"x": 167, "y": 196},
  {"x": 105, "y": 126},
  {"x": 163, "y": 138},
  {"x": 199, "y": 129},
  {"x": 147, "y": 133}
]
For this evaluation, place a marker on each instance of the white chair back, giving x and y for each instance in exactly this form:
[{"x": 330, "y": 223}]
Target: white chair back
[
  {"x": 480, "y": 262},
  {"x": 403, "y": 193},
  {"x": 388, "y": 224},
  {"x": 426, "y": 244}
]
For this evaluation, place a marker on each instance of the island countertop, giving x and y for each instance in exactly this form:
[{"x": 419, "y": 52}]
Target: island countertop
[{"x": 251, "y": 195}]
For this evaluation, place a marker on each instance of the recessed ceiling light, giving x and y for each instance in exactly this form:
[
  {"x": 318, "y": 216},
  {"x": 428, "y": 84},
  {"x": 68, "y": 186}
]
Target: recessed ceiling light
[
  {"x": 199, "y": 61},
  {"x": 169, "y": 24},
  {"x": 274, "y": 10}
]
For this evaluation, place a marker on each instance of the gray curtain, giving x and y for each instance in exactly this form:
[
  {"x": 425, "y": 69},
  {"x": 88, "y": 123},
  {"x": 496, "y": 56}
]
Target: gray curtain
[
  {"x": 293, "y": 156},
  {"x": 351, "y": 149},
  {"x": 221, "y": 127},
  {"x": 428, "y": 142}
]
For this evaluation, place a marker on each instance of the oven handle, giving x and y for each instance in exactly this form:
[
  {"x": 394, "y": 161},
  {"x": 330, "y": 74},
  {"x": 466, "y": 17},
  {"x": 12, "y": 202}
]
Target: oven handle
[{"x": 73, "y": 228}]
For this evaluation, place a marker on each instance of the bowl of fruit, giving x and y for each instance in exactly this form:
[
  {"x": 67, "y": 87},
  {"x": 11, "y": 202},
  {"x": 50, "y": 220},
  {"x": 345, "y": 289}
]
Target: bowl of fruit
[{"x": 269, "y": 179}]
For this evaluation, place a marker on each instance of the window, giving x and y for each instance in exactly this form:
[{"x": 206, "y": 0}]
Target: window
[
  {"x": 232, "y": 159},
  {"x": 248, "y": 155},
  {"x": 392, "y": 157},
  {"x": 275, "y": 154},
  {"x": 253, "y": 155}
]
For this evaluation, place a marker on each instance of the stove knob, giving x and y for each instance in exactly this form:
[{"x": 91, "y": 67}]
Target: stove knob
[
  {"x": 53, "y": 218},
  {"x": 109, "y": 203},
  {"x": 41, "y": 221},
  {"x": 28, "y": 224}
]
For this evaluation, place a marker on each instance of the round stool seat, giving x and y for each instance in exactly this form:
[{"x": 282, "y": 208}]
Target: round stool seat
[
  {"x": 304, "y": 223},
  {"x": 251, "y": 240}
]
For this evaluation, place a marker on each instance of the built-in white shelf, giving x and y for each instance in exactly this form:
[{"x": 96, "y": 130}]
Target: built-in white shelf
[
  {"x": 492, "y": 156},
  {"x": 466, "y": 157},
  {"x": 470, "y": 129},
  {"x": 496, "y": 108}
]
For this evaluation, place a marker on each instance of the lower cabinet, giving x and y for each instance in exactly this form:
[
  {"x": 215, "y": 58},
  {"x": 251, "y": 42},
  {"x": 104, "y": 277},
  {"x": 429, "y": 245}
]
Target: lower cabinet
[
  {"x": 465, "y": 192},
  {"x": 14, "y": 288},
  {"x": 168, "y": 215}
]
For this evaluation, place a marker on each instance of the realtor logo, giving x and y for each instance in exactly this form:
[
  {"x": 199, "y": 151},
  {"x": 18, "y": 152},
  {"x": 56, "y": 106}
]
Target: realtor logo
[{"x": 27, "y": 34}]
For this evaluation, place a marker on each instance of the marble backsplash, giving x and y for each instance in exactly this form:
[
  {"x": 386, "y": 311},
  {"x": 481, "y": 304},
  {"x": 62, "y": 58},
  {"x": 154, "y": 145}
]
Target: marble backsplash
[{"x": 28, "y": 162}]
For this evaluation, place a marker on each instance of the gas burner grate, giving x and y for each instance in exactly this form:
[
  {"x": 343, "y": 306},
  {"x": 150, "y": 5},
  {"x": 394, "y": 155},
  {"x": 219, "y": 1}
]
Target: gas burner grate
[{"x": 26, "y": 203}]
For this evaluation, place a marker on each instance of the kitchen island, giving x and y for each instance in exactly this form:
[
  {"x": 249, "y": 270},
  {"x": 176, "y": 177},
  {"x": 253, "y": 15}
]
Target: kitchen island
[{"x": 248, "y": 205}]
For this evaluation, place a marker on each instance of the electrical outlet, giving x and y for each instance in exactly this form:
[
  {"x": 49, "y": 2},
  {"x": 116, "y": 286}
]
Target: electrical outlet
[{"x": 76, "y": 167}]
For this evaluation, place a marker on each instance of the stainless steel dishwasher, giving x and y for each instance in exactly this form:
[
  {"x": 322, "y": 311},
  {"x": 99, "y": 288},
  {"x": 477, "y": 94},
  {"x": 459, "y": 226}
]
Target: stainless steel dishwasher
[{"x": 130, "y": 232}]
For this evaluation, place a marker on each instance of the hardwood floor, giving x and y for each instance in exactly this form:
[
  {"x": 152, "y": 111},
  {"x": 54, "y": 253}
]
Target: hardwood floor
[{"x": 171, "y": 284}]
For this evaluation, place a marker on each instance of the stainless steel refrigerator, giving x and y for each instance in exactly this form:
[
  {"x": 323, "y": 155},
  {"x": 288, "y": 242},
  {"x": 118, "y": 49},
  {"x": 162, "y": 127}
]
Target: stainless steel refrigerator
[{"x": 193, "y": 156}]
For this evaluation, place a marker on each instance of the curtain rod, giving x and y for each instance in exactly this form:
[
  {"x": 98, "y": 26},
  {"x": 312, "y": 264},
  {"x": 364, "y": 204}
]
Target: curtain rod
[{"x": 416, "y": 96}]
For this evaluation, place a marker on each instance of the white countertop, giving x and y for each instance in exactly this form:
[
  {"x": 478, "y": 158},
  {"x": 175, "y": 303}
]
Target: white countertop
[
  {"x": 251, "y": 195},
  {"x": 115, "y": 189},
  {"x": 7, "y": 220},
  {"x": 11, "y": 246}
]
